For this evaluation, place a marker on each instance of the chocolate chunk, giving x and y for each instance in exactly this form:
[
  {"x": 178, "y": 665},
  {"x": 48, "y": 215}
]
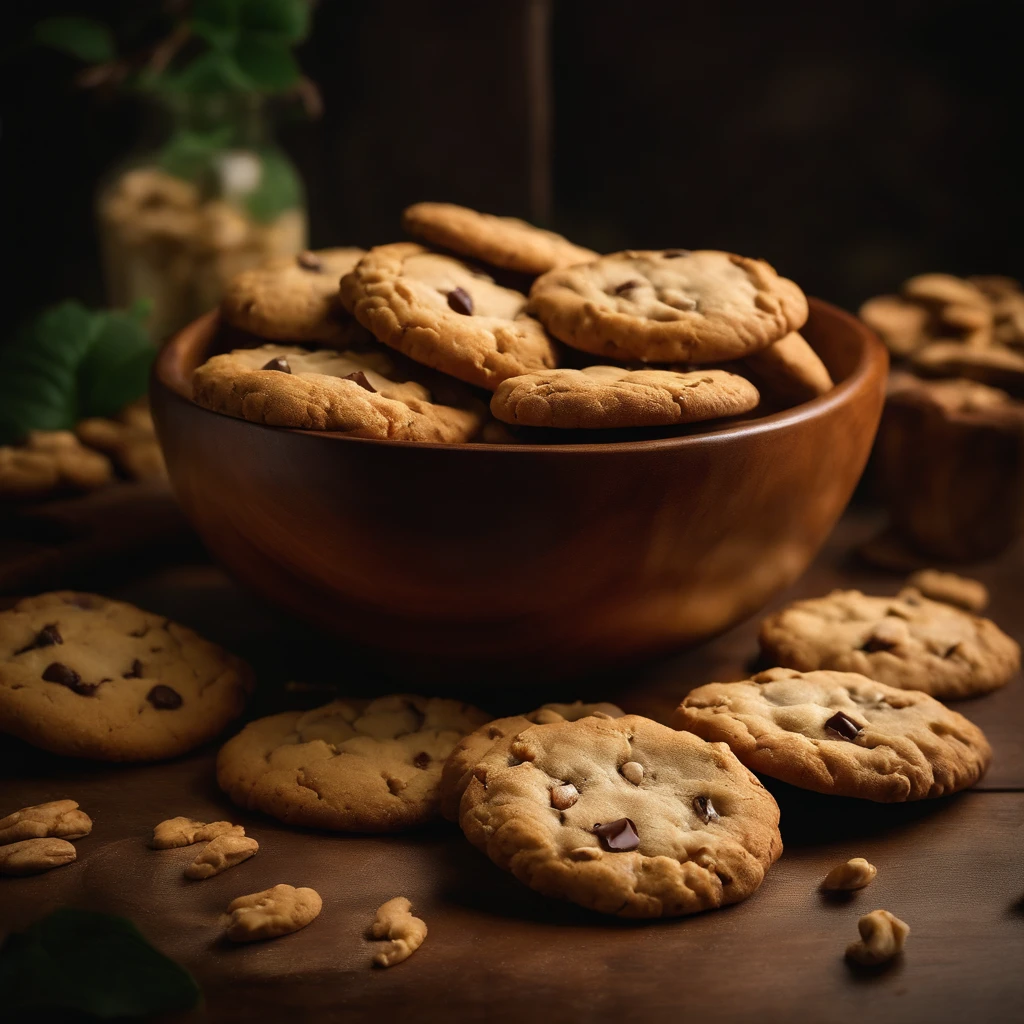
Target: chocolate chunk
[
  {"x": 163, "y": 698},
  {"x": 844, "y": 726},
  {"x": 280, "y": 364},
  {"x": 461, "y": 301},
  {"x": 619, "y": 835},
  {"x": 309, "y": 261},
  {"x": 705, "y": 809},
  {"x": 674, "y": 254},
  {"x": 48, "y": 636},
  {"x": 57, "y": 672},
  {"x": 135, "y": 672},
  {"x": 422, "y": 759},
  {"x": 950, "y": 651},
  {"x": 628, "y": 286},
  {"x": 877, "y": 643},
  {"x": 360, "y": 378}
]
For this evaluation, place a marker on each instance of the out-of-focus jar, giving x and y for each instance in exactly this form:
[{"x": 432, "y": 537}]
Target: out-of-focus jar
[{"x": 214, "y": 197}]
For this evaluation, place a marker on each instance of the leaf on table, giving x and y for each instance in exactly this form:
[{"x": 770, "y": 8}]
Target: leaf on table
[
  {"x": 84, "y": 38},
  {"x": 93, "y": 963}
]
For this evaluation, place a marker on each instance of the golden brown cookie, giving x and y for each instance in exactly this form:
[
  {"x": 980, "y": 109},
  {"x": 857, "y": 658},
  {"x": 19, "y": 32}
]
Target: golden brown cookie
[
  {"x": 995, "y": 365},
  {"x": 130, "y": 440},
  {"x": 791, "y": 370},
  {"x": 49, "y": 463},
  {"x": 948, "y": 587}
]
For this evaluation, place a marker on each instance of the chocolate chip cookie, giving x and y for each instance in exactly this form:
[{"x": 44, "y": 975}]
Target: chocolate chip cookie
[
  {"x": 906, "y": 641},
  {"x": 49, "y": 463},
  {"x": 444, "y": 314},
  {"x": 669, "y": 306},
  {"x": 501, "y": 241},
  {"x": 85, "y": 676},
  {"x": 366, "y": 393},
  {"x": 349, "y": 766},
  {"x": 129, "y": 440},
  {"x": 624, "y": 816},
  {"x": 791, "y": 370},
  {"x": 840, "y": 733},
  {"x": 610, "y": 396}
]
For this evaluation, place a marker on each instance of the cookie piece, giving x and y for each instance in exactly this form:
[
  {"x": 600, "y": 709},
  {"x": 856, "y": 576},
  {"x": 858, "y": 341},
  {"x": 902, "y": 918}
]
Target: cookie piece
[
  {"x": 669, "y": 306},
  {"x": 360, "y": 394},
  {"x": 994, "y": 365},
  {"x": 558, "y": 810},
  {"x": 277, "y": 911},
  {"x": 58, "y": 819},
  {"x": 175, "y": 832},
  {"x": 856, "y": 873},
  {"x": 293, "y": 299},
  {"x": 405, "y": 933},
  {"x": 32, "y": 856},
  {"x": 220, "y": 854},
  {"x": 949, "y": 588},
  {"x": 446, "y": 315},
  {"x": 882, "y": 937},
  {"x": 610, "y": 396},
  {"x": 85, "y": 676},
  {"x": 906, "y": 641},
  {"x": 901, "y": 324},
  {"x": 791, "y": 369},
  {"x": 458, "y": 768},
  {"x": 51, "y": 462},
  {"x": 349, "y": 766},
  {"x": 840, "y": 733},
  {"x": 501, "y": 241},
  {"x": 130, "y": 440}
]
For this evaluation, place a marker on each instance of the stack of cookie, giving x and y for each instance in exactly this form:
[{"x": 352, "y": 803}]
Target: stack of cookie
[{"x": 414, "y": 341}]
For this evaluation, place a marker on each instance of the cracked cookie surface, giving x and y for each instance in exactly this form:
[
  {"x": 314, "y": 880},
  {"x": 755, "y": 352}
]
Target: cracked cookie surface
[
  {"x": 840, "y": 733},
  {"x": 84, "y": 676},
  {"x": 349, "y": 766},
  {"x": 906, "y": 641},
  {"x": 624, "y": 816}
]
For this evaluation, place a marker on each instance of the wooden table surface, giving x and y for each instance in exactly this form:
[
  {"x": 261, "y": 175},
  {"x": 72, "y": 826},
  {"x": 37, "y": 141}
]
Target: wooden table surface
[{"x": 952, "y": 868}]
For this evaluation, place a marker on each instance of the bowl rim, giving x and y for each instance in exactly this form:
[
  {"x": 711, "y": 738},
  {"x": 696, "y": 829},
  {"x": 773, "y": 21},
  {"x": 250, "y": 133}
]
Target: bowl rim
[{"x": 873, "y": 357}]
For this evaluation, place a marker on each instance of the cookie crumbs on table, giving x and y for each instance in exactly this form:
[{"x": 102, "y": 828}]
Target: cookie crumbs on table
[
  {"x": 882, "y": 937},
  {"x": 405, "y": 933},
  {"x": 277, "y": 911},
  {"x": 59, "y": 819},
  {"x": 856, "y": 873},
  {"x": 181, "y": 831},
  {"x": 33, "y": 856},
  {"x": 222, "y": 853}
]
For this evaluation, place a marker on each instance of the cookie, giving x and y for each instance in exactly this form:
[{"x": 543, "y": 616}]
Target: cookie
[
  {"x": 49, "y": 463},
  {"x": 840, "y": 733},
  {"x": 901, "y": 324},
  {"x": 791, "y": 370},
  {"x": 404, "y": 933},
  {"x": 948, "y": 587},
  {"x": 293, "y": 299},
  {"x": 955, "y": 396},
  {"x": 446, "y": 315},
  {"x": 130, "y": 440},
  {"x": 997, "y": 366},
  {"x": 669, "y": 306},
  {"x": 501, "y": 241},
  {"x": 610, "y": 396},
  {"x": 85, "y": 676},
  {"x": 349, "y": 766},
  {"x": 277, "y": 911},
  {"x": 360, "y": 394},
  {"x": 458, "y": 768},
  {"x": 624, "y": 816},
  {"x": 58, "y": 819},
  {"x": 33, "y": 856},
  {"x": 906, "y": 641}
]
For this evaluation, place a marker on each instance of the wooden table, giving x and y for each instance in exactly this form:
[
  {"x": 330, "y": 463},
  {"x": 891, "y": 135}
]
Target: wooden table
[{"x": 953, "y": 868}]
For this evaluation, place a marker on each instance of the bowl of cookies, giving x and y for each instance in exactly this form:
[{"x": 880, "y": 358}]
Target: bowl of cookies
[{"x": 493, "y": 447}]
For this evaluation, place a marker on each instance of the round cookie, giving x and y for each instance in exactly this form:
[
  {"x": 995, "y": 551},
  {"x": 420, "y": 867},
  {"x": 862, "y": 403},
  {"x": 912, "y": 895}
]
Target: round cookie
[
  {"x": 501, "y": 241},
  {"x": 624, "y": 816},
  {"x": 358, "y": 393},
  {"x": 458, "y": 769},
  {"x": 840, "y": 733},
  {"x": 905, "y": 641},
  {"x": 791, "y": 369},
  {"x": 669, "y": 306},
  {"x": 446, "y": 315},
  {"x": 349, "y": 766},
  {"x": 610, "y": 396},
  {"x": 996, "y": 365},
  {"x": 51, "y": 462},
  {"x": 85, "y": 676},
  {"x": 293, "y": 299}
]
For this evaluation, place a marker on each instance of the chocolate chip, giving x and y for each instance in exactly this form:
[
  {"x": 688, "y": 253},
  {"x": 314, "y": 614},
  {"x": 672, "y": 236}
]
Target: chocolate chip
[
  {"x": 628, "y": 286},
  {"x": 163, "y": 698},
  {"x": 48, "y": 636},
  {"x": 564, "y": 796},
  {"x": 674, "y": 254},
  {"x": 844, "y": 726},
  {"x": 280, "y": 364},
  {"x": 877, "y": 643},
  {"x": 950, "y": 651},
  {"x": 705, "y": 809},
  {"x": 422, "y": 759},
  {"x": 461, "y": 301},
  {"x": 57, "y": 672},
  {"x": 619, "y": 835},
  {"x": 360, "y": 378},
  {"x": 136, "y": 670},
  {"x": 309, "y": 261}
]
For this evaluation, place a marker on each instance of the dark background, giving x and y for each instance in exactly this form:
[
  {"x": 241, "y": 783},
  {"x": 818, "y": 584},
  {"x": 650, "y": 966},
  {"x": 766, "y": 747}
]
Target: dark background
[{"x": 851, "y": 144}]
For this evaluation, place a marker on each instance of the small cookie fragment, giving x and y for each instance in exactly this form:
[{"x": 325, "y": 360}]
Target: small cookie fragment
[
  {"x": 277, "y": 911},
  {"x": 222, "y": 853},
  {"x": 394, "y": 921},
  {"x": 51, "y": 462},
  {"x": 949, "y": 588},
  {"x": 175, "y": 832},
  {"x": 32, "y": 856},
  {"x": 791, "y": 370},
  {"x": 130, "y": 440},
  {"x": 882, "y": 936},
  {"x": 853, "y": 874},
  {"x": 58, "y": 819}
]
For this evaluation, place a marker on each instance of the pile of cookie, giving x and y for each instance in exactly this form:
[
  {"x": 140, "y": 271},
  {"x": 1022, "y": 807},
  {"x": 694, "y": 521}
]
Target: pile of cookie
[{"x": 406, "y": 342}]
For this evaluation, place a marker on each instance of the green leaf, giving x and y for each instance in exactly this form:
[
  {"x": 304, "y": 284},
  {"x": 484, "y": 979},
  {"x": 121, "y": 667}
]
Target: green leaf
[
  {"x": 92, "y": 963},
  {"x": 216, "y": 21},
  {"x": 279, "y": 188},
  {"x": 189, "y": 154},
  {"x": 84, "y": 38},
  {"x": 115, "y": 370},
  {"x": 267, "y": 62},
  {"x": 215, "y": 71},
  {"x": 287, "y": 19}
]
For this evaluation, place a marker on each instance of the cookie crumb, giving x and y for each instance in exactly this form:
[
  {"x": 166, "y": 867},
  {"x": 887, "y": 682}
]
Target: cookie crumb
[
  {"x": 222, "y": 853},
  {"x": 58, "y": 819},
  {"x": 32, "y": 856},
  {"x": 279, "y": 910},
  {"x": 854, "y": 874},
  {"x": 949, "y": 588},
  {"x": 882, "y": 936},
  {"x": 394, "y": 922},
  {"x": 183, "y": 831}
]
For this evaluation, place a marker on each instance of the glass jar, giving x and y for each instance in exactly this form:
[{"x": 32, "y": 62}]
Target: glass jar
[{"x": 214, "y": 197}]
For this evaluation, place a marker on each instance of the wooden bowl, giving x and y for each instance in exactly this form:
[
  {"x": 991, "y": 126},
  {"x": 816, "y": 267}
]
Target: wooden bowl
[{"x": 522, "y": 560}]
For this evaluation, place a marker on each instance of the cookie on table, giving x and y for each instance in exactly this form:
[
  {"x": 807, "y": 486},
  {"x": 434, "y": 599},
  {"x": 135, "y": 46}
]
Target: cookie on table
[
  {"x": 995, "y": 365},
  {"x": 84, "y": 676},
  {"x": 50, "y": 463},
  {"x": 349, "y": 766},
  {"x": 905, "y": 641},
  {"x": 501, "y": 241},
  {"x": 129, "y": 439},
  {"x": 611, "y": 396},
  {"x": 840, "y": 733},
  {"x": 669, "y": 306},
  {"x": 458, "y": 769},
  {"x": 949, "y": 588},
  {"x": 442, "y": 313},
  {"x": 358, "y": 393},
  {"x": 624, "y": 816},
  {"x": 791, "y": 369},
  {"x": 293, "y": 298}
]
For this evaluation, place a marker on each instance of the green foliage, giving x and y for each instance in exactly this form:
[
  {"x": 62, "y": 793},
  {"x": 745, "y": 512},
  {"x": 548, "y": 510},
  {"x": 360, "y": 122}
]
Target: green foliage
[
  {"x": 84, "y": 38},
  {"x": 279, "y": 188},
  {"x": 267, "y": 62},
  {"x": 91, "y": 963},
  {"x": 188, "y": 154}
]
